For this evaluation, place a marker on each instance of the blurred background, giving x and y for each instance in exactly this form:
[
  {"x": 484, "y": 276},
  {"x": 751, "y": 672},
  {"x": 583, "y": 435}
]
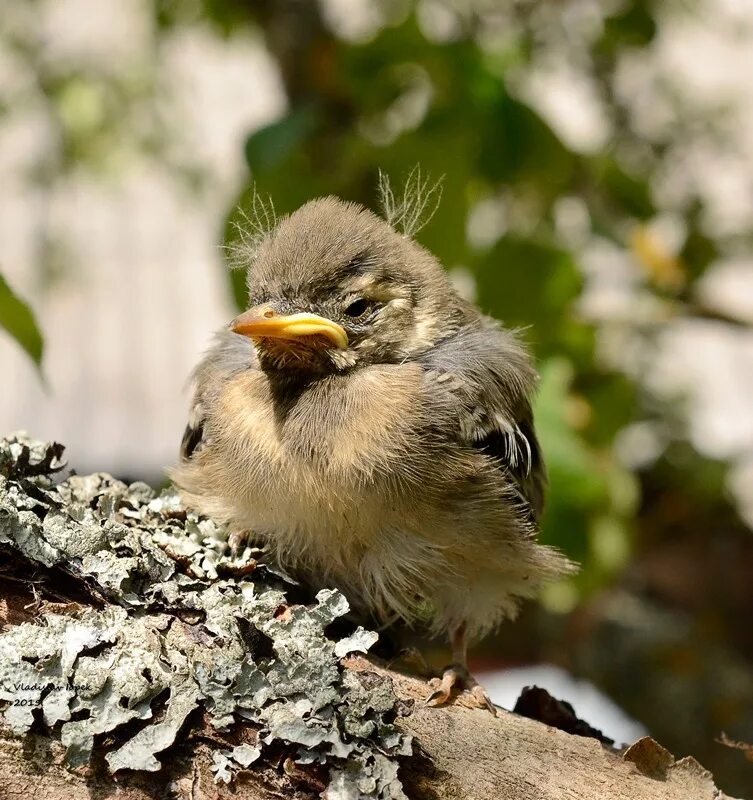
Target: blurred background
[{"x": 597, "y": 163}]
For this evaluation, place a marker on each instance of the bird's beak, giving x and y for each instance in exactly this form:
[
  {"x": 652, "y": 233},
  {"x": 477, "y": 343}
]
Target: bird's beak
[{"x": 264, "y": 321}]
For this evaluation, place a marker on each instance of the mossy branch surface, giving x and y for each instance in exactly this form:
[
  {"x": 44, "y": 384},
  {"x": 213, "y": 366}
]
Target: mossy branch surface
[{"x": 178, "y": 630}]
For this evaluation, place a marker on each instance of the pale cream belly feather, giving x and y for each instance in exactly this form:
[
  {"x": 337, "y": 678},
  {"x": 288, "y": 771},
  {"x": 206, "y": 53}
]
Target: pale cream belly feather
[{"x": 322, "y": 507}]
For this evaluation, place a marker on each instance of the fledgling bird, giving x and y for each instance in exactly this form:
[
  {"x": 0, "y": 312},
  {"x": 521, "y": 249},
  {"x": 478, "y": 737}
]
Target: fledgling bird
[{"x": 374, "y": 430}]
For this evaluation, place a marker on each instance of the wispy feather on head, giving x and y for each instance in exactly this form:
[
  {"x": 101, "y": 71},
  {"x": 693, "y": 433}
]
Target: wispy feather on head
[
  {"x": 407, "y": 211},
  {"x": 412, "y": 209},
  {"x": 257, "y": 220}
]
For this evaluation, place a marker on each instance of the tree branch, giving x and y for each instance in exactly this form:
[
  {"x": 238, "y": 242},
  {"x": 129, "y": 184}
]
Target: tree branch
[{"x": 129, "y": 672}]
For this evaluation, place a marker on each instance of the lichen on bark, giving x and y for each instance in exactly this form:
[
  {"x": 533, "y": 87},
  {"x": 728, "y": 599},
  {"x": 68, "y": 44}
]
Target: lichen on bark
[{"x": 177, "y": 626}]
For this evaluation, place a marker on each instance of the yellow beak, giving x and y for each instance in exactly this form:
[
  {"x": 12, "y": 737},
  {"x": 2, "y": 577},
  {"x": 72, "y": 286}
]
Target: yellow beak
[{"x": 264, "y": 322}]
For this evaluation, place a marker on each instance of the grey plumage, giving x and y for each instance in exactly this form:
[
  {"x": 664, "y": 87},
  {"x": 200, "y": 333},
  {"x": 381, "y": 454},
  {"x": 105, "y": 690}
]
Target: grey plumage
[{"x": 401, "y": 466}]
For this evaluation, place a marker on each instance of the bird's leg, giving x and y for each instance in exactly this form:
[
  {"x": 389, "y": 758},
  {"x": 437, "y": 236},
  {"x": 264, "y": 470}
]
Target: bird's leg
[
  {"x": 457, "y": 675},
  {"x": 237, "y": 541}
]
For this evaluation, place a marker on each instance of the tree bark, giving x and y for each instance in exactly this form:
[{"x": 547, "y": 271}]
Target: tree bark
[
  {"x": 136, "y": 674},
  {"x": 459, "y": 752}
]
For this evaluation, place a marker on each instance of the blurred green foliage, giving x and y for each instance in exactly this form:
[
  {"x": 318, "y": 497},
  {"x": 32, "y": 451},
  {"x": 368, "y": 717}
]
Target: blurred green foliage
[{"x": 18, "y": 320}]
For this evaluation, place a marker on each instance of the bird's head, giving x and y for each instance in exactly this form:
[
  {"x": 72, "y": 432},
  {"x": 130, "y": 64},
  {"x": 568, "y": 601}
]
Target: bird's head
[{"x": 333, "y": 286}]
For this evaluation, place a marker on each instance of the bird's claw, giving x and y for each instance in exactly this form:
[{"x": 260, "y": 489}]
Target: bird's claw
[
  {"x": 481, "y": 698},
  {"x": 457, "y": 676},
  {"x": 237, "y": 541},
  {"x": 441, "y": 693}
]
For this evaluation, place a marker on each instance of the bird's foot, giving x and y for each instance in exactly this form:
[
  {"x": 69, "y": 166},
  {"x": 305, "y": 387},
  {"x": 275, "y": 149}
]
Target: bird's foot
[
  {"x": 456, "y": 676},
  {"x": 237, "y": 542}
]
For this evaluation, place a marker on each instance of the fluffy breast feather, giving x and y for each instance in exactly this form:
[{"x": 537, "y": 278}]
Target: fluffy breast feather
[
  {"x": 360, "y": 480},
  {"x": 317, "y": 459}
]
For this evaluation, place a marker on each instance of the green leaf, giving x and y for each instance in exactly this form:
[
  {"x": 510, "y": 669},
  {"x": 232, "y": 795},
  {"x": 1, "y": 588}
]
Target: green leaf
[
  {"x": 625, "y": 192},
  {"x": 633, "y": 26},
  {"x": 592, "y": 496},
  {"x": 270, "y": 146},
  {"x": 17, "y": 318},
  {"x": 526, "y": 282}
]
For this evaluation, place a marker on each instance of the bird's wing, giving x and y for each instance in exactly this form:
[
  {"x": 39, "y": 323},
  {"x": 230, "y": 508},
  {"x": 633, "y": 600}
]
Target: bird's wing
[
  {"x": 488, "y": 376},
  {"x": 228, "y": 354},
  {"x": 514, "y": 445}
]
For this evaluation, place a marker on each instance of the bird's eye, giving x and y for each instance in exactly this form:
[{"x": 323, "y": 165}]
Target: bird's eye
[{"x": 357, "y": 308}]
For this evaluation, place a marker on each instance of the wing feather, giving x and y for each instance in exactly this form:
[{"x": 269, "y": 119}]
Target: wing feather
[
  {"x": 490, "y": 377},
  {"x": 228, "y": 354}
]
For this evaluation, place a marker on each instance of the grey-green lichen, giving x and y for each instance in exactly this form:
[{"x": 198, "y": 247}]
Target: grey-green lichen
[{"x": 179, "y": 626}]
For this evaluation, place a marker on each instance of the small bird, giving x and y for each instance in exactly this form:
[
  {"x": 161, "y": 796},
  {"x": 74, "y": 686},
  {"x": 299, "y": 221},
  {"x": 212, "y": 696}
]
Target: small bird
[{"x": 374, "y": 430}]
